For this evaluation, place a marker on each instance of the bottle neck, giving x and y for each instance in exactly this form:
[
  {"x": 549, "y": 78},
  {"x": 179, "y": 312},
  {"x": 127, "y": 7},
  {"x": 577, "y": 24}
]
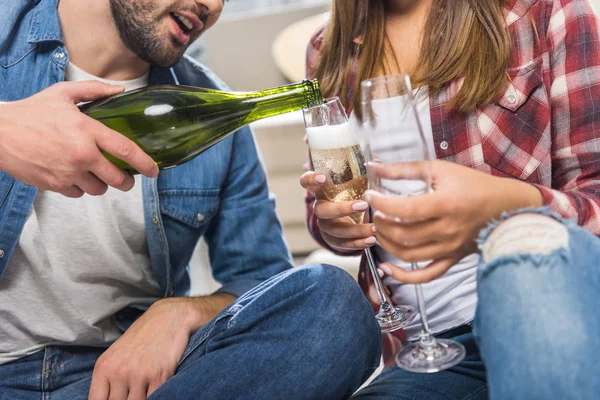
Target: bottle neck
[{"x": 285, "y": 99}]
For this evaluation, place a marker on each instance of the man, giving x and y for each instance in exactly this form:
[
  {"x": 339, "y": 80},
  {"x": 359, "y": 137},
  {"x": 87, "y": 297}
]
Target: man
[{"x": 77, "y": 272}]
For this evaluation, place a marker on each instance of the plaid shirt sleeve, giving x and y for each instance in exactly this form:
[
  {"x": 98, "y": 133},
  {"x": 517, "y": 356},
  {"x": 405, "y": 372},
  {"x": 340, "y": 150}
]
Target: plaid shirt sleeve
[{"x": 574, "y": 47}]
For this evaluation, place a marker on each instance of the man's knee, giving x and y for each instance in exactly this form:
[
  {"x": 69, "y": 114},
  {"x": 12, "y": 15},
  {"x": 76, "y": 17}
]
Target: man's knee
[
  {"x": 329, "y": 278},
  {"x": 336, "y": 295},
  {"x": 528, "y": 233}
]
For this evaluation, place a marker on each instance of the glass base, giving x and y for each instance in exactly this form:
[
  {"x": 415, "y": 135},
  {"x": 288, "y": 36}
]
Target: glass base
[
  {"x": 393, "y": 318},
  {"x": 430, "y": 355}
]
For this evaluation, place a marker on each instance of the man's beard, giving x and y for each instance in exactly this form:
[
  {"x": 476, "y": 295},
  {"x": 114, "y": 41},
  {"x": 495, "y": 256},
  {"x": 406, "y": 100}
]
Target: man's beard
[{"x": 136, "y": 22}]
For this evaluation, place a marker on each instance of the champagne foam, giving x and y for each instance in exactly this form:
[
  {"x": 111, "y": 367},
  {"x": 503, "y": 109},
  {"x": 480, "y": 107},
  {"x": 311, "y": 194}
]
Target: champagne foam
[{"x": 330, "y": 137}]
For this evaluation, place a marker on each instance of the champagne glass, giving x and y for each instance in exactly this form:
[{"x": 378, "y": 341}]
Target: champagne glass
[
  {"x": 392, "y": 133},
  {"x": 336, "y": 153}
]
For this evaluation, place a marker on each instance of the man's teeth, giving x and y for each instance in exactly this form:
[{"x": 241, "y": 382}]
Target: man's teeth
[{"x": 188, "y": 24}]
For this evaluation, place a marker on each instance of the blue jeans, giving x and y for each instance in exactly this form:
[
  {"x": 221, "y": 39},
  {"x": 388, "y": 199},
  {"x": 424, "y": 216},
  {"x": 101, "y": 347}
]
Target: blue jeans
[
  {"x": 538, "y": 319},
  {"x": 537, "y": 324},
  {"x": 308, "y": 333}
]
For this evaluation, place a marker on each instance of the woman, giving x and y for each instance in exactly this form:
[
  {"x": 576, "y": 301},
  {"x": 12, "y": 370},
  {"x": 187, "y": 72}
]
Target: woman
[{"x": 514, "y": 89}]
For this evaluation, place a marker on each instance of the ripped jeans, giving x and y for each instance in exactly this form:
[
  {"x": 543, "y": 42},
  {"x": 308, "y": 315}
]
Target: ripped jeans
[{"x": 538, "y": 313}]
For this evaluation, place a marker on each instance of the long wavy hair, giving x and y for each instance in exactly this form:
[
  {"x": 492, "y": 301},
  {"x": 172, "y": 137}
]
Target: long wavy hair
[{"x": 465, "y": 39}]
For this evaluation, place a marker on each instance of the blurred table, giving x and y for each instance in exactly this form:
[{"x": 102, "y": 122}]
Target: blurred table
[{"x": 289, "y": 46}]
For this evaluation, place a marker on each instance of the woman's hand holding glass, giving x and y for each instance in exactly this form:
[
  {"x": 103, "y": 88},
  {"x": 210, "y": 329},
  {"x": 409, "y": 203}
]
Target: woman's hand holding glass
[
  {"x": 442, "y": 225},
  {"x": 335, "y": 220},
  {"x": 393, "y": 139},
  {"x": 339, "y": 187}
]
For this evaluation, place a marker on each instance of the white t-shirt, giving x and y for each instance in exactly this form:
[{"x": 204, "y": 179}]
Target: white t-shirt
[
  {"x": 451, "y": 299},
  {"x": 78, "y": 261}
]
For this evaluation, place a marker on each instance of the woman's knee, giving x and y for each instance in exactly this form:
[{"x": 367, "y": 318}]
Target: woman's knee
[{"x": 526, "y": 233}]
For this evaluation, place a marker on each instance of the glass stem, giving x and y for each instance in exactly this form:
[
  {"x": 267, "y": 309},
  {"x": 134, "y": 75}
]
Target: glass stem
[
  {"x": 427, "y": 340},
  {"x": 376, "y": 279},
  {"x": 421, "y": 301}
]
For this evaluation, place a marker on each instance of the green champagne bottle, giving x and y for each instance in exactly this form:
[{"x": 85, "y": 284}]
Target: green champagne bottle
[{"x": 173, "y": 123}]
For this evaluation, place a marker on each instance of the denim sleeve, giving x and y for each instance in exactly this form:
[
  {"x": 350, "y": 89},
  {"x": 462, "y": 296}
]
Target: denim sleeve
[{"x": 245, "y": 238}]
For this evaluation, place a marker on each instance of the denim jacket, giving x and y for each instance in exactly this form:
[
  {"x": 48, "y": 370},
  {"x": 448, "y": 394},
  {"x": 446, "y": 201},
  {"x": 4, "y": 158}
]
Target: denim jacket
[{"x": 221, "y": 196}]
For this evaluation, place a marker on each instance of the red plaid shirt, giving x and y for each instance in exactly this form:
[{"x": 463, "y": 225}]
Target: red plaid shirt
[{"x": 545, "y": 128}]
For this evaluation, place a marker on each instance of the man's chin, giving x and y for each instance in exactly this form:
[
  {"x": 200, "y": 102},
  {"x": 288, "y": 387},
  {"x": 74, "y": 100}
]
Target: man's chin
[{"x": 162, "y": 60}]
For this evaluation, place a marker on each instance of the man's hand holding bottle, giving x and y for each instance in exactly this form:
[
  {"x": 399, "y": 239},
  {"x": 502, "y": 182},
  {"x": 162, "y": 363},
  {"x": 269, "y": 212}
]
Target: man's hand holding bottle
[{"x": 46, "y": 142}]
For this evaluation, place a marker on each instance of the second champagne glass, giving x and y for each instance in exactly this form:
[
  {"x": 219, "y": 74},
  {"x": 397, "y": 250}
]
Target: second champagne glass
[
  {"x": 392, "y": 134},
  {"x": 336, "y": 153}
]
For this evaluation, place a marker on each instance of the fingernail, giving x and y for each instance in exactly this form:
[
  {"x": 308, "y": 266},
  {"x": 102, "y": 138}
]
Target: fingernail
[
  {"x": 368, "y": 195},
  {"x": 320, "y": 178},
  {"x": 385, "y": 268},
  {"x": 374, "y": 229},
  {"x": 360, "y": 206},
  {"x": 370, "y": 240}
]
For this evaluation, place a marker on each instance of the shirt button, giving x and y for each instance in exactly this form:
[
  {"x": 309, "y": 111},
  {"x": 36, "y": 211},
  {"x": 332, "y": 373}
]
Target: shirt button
[
  {"x": 444, "y": 145},
  {"x": 59, "y": 55},
  {"x": 1, "y": 253},
  {"x": 511, "y": 99},
  {"x": 155, "y": 219},
  {"x": 200, "y": 217}
]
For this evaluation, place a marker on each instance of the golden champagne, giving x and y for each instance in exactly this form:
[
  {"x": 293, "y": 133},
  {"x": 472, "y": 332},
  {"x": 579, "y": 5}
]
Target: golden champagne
[{"x": 346, "y": 174}]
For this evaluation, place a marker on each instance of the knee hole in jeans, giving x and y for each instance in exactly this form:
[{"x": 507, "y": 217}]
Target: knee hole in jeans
[{"x": 525, "y": 233}]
